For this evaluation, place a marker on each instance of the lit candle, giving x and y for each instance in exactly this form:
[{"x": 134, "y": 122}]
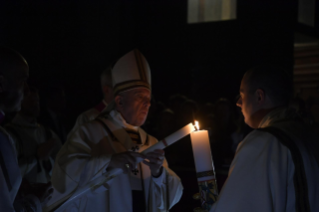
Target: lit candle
[{"x": 204, "y": 167}]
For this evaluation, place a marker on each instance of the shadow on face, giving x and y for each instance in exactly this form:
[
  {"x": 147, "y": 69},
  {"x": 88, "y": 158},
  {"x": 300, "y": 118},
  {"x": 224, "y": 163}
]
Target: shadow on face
[{"x": 134, "y": 105}]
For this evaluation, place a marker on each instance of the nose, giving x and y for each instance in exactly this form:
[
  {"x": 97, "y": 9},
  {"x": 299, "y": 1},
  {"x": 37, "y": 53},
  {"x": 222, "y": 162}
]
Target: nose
[{"x": 238, "y": 103}]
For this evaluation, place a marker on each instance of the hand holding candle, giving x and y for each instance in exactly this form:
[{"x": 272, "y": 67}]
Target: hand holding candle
[{"x": 155, "y": 161}]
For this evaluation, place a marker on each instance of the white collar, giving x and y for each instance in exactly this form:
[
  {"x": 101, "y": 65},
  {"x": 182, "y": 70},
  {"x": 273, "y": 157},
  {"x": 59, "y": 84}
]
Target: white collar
[
  {"x": 121, "y": 121},
  {"x": 278, "y": 115}
]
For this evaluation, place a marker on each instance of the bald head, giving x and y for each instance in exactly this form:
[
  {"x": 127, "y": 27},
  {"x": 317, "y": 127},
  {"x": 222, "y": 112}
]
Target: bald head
[
  {"x": 10, "y": 61},
  {"x": 273, "y": 80},
  {"x": 14, "y": 71}
]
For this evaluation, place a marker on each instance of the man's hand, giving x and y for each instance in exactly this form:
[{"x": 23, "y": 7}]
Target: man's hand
[
  {"x": 45, "y": 149},
  {"x": 120, "y": 160},
  {"x": 156, "y": 159}
]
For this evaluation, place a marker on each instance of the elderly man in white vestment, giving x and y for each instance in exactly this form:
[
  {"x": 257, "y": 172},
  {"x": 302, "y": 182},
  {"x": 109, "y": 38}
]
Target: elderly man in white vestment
[
  {"x": 275, "y": 168},
  {"x": 91, "y": 114},
  {"x": 14, "y": 72},
  {"x": 114, "y": 140}
]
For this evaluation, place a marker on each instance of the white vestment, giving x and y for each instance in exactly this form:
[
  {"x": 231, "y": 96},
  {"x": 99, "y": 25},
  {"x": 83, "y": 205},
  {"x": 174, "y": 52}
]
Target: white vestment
[
  {"x": 86, "y": 155},
  {"x": 27, "y": 136},
  {"x": 89, "y": 115},
  {"x": 261, "y": 174},
  {"x": 10, "y": 179}
]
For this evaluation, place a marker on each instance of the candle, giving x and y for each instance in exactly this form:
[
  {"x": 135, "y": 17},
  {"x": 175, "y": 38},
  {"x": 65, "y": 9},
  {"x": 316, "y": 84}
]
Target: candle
[
  {"x": 114, "y": 172},
  {"x": 169, "y": 140},
  {"x": 204, "y": 167}
]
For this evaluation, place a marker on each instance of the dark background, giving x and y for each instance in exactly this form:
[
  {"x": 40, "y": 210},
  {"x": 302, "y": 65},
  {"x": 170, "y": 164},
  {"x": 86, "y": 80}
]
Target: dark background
[{"x": 70, "y": 42}]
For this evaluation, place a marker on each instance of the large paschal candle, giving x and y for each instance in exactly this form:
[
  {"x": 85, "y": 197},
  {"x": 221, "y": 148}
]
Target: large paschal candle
[{"x": 204, "y": 167}]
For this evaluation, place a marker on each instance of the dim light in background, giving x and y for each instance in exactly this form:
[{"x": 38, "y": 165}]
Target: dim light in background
[
  {"x": 306, "y": 12},
  {"x": 210, "y": 10}
]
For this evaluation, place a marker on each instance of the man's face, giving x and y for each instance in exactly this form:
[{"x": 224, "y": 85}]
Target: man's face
[
  {"x": 248, "y": 102},
  {"x": 134, "y": 105},
  {"x": 15, "y": 87}
]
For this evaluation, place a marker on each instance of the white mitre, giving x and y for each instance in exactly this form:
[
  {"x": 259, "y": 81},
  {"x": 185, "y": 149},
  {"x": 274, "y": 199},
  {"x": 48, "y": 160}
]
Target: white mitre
[{"x": 131, "y": 71}]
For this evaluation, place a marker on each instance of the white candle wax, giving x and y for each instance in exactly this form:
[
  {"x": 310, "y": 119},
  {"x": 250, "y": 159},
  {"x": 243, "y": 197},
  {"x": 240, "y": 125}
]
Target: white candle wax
[
  {"x": 169, "y": 140},
  {"x": 202, "y": 152}
]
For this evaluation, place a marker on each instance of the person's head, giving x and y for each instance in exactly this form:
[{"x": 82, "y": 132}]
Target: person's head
[
  {"x": 14, "y": 71},
  {"x": 131, "y": 79},
  {"x": 262, "y": 89},
  {"x": 106, "y": 84},
  {"x": 134, "y": 105},
  {"x": 30, "y": 105}
]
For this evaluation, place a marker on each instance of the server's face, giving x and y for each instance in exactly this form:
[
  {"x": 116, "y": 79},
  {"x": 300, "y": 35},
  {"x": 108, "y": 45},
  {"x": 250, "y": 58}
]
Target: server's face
[{"x": 248, "y": 102}]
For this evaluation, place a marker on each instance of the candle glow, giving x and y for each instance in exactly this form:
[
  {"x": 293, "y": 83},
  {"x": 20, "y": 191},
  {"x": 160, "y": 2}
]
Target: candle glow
[{"x": 196, "y": 125}]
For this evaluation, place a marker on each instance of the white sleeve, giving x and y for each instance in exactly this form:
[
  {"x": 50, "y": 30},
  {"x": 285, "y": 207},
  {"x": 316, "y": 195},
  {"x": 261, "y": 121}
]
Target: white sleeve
[
  {"x": 166, "y": 187},
  {"x": 82, "y": 119},
  {"x": 257, "y": 177}
]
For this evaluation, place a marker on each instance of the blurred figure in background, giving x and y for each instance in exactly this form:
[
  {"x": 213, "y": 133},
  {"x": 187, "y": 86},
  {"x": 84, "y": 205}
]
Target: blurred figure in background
[
  {"x": 223, "y": 133},
  {"x": 14, "y": 71},
  {"x": 107, "y": 89},
  {"x": 53, "y": 113},
  {"x": 176, "y": 101},
  {"x": 36, "y": 145}
]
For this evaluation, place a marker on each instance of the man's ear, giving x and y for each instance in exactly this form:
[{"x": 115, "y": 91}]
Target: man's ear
[
  {"x": 260, "y": 95},
  {"x": 1, "y": 83},
  {"x": 118, "y": 101}
]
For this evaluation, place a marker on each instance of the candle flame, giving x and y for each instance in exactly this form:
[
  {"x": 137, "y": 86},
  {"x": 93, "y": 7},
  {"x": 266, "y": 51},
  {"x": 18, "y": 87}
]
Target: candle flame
[{"x": 196, "y": 125}]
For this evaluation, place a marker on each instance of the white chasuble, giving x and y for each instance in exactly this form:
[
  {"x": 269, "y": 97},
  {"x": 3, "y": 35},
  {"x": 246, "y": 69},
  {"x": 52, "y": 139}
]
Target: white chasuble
[{"x": 86, "y": 155}]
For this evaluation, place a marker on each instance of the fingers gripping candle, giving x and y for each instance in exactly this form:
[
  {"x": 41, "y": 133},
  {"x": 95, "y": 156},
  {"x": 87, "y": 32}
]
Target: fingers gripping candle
[{"x": 204, "y": 168}]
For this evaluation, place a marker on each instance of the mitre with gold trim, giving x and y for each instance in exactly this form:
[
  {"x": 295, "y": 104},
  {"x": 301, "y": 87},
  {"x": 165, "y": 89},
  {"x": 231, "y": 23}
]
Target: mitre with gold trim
[{"x": 131, "y": 71}]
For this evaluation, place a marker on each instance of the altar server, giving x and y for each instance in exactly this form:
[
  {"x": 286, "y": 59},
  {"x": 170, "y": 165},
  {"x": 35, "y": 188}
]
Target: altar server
[{"x": 276, "y": 167}]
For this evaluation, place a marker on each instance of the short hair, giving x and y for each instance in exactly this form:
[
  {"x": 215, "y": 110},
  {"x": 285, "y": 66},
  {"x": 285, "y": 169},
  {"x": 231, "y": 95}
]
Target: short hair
[
  {"x": 106, "y": 77},
  {"x": 273, "y": 80},
  {"x": 9, "y": 57}
]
